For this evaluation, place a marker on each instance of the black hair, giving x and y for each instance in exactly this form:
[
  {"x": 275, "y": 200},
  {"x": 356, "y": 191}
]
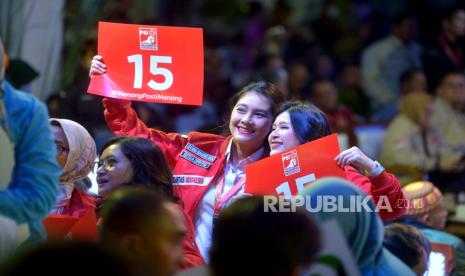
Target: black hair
[
  {"x": 400, "y": 18},
  {"x": 98, "y": 260},
  {"x": 449, "y": 13},
  {"x": 148, "y": 163},
  {"x": 130, "y": 210},
  {"x": 311, "y": 85},
  {"x": 308, "y": 121},
  {"x": 55, "y": 97},
  {"x": 443, "y": 76},
  {"x": 407, "y": 75},
  {"x": 406, "y": 242},
  {"x": 263, "y": 243}
]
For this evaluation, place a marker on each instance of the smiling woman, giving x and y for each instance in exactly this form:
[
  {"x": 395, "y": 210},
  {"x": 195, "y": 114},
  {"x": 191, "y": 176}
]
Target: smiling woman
[
  {"x": 217, "y": 163},
  {"x": 250, "y": 123},
  {"x": 297, "y": 123},
  {"x": 127, "y": 161}
]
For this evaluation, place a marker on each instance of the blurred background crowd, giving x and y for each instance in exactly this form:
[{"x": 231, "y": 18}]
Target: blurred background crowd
[{"x": 354, "y": 59}]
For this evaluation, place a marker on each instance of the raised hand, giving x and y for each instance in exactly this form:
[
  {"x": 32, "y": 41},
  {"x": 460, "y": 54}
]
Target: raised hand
[
  {"x": 97, "y": 67},
  {"x": 355, "y": 157}
]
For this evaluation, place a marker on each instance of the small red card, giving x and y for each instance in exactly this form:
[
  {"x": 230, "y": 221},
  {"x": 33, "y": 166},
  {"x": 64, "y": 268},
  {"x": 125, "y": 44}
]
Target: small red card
[
  {"x": 150, "y": 63},
  {"x": 86, "y": 227},
  {"x": 58, "y": 226},
  {"x": 289, "y": 172}
]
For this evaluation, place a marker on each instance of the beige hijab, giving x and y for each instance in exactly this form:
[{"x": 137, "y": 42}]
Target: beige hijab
[
  {"x": 82, "y": 153},
  {"x": 413, "y": 105}
]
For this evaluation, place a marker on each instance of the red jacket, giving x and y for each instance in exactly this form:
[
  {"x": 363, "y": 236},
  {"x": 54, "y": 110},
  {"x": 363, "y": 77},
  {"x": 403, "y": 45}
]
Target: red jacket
[
  {"x": 385, "y": 184},
  {"x": 192, "y": 257},
  {"x": 79, "y": 204},
  {"x": 198, "y": 159}
]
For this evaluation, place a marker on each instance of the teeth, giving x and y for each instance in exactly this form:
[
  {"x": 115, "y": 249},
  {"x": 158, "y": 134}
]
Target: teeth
[{"x": 244, "y": 130}]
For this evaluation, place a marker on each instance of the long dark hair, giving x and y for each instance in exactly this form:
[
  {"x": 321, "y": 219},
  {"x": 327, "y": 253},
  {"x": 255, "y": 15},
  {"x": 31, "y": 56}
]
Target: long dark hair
[
  {"x": 270, "y": 91},
  {"x": 148, "y": 163},
  {"x": 308, "y": 121}
]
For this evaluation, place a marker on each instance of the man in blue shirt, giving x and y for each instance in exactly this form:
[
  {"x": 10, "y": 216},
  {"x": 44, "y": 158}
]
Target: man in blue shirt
[{"x": 29, "y": 191}]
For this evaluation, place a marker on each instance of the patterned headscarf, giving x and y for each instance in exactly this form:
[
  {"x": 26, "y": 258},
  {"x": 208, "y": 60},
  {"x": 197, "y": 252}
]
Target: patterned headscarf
[
  {"x": 422, "y": 196},
  {"x": 82, "y": 153}
]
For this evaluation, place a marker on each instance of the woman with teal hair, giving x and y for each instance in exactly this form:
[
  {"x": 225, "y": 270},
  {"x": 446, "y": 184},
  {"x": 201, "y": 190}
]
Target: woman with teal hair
[{"x": 362, "y": 227}]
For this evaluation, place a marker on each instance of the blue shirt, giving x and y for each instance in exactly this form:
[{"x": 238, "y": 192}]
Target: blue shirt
[{"x": 32, "y": 190}]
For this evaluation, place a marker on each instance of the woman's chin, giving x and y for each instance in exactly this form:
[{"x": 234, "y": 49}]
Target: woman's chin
[{"x": 275, "y": 151}]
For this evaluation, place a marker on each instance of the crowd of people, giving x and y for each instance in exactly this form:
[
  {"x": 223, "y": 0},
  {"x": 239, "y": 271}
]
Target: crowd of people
[{"x": 171, "y": 193}]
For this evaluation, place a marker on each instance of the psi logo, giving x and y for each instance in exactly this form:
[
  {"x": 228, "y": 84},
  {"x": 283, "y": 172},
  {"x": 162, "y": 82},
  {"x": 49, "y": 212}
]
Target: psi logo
[
  {"x": 148, "y": 39},
  {"x": 290, "y": 163}
]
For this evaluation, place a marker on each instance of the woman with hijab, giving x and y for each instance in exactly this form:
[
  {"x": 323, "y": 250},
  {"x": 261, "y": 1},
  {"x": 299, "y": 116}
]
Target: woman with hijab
[
  {"x": 76, "y": 154},
  {"x": 362, "y": 227},
  {"x": 411, "y": 141}
]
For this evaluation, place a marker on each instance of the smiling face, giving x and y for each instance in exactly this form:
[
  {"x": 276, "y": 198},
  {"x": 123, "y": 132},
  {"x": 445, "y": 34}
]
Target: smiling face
[
  {"x": 283, "y": 136},
  {"x": 114, "y": 170},
  {"x": 250, "y": 121}
]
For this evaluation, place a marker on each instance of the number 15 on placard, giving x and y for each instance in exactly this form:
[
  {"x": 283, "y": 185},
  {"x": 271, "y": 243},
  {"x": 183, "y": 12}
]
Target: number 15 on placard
[
  {"x": 154, "y": 70},
  {"x": 301, "y": 182}
]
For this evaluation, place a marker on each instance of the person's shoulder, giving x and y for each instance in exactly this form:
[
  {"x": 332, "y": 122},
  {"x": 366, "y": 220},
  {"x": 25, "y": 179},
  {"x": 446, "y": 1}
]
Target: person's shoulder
[
  {"x": 195, "y": 136},
  {"x": 400, "y": 119},
  {"x": 380, "y": 44},
  {"x": 19, "y": 100},
  {"x": 212, "y": 143},
  {"x": 439, "y": 106},
  {"x": 401, "y": 125}
]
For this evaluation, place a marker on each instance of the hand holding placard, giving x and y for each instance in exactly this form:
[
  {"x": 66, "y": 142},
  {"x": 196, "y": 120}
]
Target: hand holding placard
[
  {"x": 97, "y": 66},
  {"x": 289, "y": 172},
  {"x": 354, "y": 156},
  {"x": 148, "y": 63}
]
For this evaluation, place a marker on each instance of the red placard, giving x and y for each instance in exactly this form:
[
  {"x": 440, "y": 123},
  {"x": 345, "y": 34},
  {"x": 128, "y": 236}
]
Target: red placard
[
  {"x": 86, "y": 227},
  {"x": 62, "y": 226},
  {"x": 58, "y": 226},
  {"x": 289, "y": 172},
  {"x": 150, "y": 63}
]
